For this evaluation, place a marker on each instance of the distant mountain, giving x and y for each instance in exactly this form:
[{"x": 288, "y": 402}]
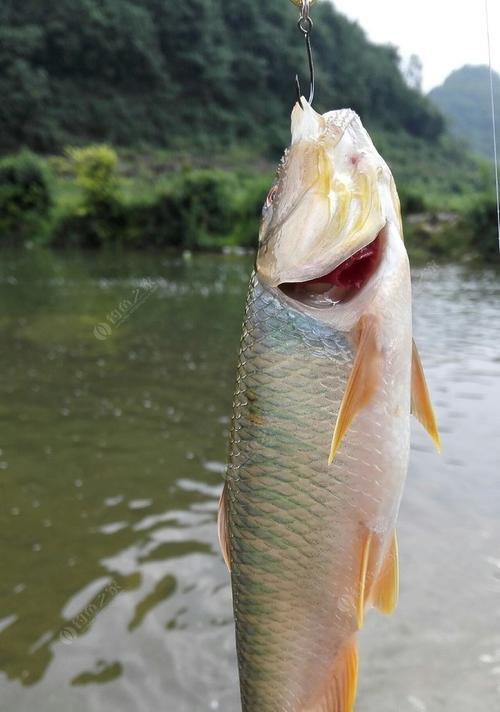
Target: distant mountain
[{"x": 464, "y": 98}]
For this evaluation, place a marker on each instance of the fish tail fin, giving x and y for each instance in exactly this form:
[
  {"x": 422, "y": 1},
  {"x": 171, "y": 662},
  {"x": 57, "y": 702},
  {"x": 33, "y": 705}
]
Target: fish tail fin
[{"x": 340, "y": 692}]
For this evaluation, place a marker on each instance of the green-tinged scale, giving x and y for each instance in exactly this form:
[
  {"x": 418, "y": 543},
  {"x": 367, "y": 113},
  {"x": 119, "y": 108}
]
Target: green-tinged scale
[{"x": 282, "y": 500}]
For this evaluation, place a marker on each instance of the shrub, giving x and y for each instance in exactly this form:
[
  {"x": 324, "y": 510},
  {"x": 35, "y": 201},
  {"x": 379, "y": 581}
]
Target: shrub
[
  {"x": 248, "y": 211},
  {"x": 481, "y": 228},
  {"x": 104, "y": 224},
  {"x": 412, "y": 202},
  {"x": 196, "y": 210},
  {"x": 25, "y": 197},
  {"x": 96, "y": 173},
  {"x": 102, "y": 217},
  {"x": 201, "y": 204},
  {"x": 157, "y": 223}
]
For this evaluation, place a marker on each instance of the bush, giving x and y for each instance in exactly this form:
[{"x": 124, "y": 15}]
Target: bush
[
  {"x": 96, "y": 173},
  {"x": 102, "y": 217},
  {"x": 196, "y": 210},
  {"x": 480, "y": 227},
  {"x": 201, "y": 205},
  {"x": 104, "y": 224},
  {"x": 248, "y": 211},
  {"x": 157, "y": 223},
  {"x": 412, "y": 202},
  {"x": 25, "y": 196}
]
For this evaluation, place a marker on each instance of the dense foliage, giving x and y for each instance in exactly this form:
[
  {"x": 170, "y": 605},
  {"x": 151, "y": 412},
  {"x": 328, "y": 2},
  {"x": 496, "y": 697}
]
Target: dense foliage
[
  {"x": 95, "y": 169},
  {"x": 193, "y": 209},
  {"x": 25, "y": 196},
  {"x": 194, "y": 95},
  {"x": 479, "y": 225},
  {"x": 204, "y": 73},
  {"x": 465, "y": 100},
  {"x": 85, "y": 199}
]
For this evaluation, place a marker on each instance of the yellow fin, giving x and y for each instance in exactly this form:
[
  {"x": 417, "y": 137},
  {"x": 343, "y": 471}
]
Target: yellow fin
[
  {"x": 340, "y": 694},
  {"x": 222, "y": 528},
  {"x": 386, "y": 588},
  {"x": 421, "y": 406},
  {"x": 363, "y": 573},
  {"x": 362, "y": 381}
]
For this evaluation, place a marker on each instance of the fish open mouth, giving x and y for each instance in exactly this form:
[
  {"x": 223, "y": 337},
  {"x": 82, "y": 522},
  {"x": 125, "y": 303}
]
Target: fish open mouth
[{"x": 343, "y": 282}]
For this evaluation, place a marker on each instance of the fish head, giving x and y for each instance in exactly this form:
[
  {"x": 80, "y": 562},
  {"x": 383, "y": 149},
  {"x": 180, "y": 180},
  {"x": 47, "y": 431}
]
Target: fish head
[{"x": 332, "y": 197}]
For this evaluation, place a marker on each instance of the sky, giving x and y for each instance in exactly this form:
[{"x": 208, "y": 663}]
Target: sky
[{"x": 445, "y": 34}]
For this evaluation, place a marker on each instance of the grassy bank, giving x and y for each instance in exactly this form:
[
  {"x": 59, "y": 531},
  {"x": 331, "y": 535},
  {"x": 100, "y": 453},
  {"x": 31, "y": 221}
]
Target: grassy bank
[{"x": 89, "y": 197}]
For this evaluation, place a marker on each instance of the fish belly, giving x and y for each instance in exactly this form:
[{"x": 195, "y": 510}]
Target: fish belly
[{"x": 296, "y": 526}]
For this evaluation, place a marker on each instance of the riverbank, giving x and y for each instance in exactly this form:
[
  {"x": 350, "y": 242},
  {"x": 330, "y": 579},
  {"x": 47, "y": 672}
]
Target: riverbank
[{"x": 92, "y": 198}]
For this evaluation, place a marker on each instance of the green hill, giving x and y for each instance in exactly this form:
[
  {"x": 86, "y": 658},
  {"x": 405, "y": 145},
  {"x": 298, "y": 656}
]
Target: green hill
[
  {"x": 196, "y": 97},
  {"x": 199, "y": 74},
  {"x": 465, "y": 100},
  {"x": 211, "y": 81}
]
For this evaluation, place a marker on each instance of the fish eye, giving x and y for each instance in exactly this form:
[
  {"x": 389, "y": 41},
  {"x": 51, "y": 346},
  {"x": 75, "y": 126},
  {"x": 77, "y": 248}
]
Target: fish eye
[{"x": 270, "y": 199}]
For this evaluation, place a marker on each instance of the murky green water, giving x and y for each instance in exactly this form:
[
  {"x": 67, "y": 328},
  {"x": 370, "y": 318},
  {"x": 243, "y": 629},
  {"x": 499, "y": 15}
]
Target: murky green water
[{"x": 116, "y": 381}]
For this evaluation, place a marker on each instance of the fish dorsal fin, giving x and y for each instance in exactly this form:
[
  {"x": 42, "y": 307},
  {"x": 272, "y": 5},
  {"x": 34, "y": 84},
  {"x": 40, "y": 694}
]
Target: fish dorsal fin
[
  {"x": 384, "y": 594},
  {"x": 340, "y": 693},
  {"x": 222, "y": 527},
  {"x": 363, "y": 381},
  {"x": 421, "y": 406}
]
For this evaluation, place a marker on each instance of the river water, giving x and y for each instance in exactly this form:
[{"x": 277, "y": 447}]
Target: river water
[{"x": 116, "y": 381}]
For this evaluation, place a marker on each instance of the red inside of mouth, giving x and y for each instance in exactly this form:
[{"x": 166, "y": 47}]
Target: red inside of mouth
[
  {"x": 356, "y": 270},
  {"x": 343, "y": 282}
]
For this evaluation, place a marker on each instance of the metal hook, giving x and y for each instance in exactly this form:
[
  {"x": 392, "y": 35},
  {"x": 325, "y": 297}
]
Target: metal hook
[{"x": 305, "y": 25}]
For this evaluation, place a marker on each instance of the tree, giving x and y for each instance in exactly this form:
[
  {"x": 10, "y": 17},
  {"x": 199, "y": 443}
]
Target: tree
[
  {"x": 413, "y": 70},
  {"x": 208, "y": 73}
]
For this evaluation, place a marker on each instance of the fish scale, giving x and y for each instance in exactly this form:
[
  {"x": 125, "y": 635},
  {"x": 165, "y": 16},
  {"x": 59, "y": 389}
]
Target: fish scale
[{"x": 282, "y": 499}]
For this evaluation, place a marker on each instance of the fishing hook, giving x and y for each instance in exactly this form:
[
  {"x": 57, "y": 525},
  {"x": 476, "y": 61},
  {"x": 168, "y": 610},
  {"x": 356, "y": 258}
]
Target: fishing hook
[{"x": 305, "y": 25}]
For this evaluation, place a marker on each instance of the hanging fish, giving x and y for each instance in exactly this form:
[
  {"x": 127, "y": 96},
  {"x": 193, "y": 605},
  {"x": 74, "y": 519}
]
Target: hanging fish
[{"x": 319, "y": 448}]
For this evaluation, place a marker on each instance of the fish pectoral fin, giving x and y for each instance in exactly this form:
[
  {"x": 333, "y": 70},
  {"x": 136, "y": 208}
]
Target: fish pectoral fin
[
  {"x": 421, "y": 406},
  {"x": 385, "y": 591},
  {"x": 363, "y": 381},
  {"x": 340, "y": 692},
  {"x": 222, "y": 527}
]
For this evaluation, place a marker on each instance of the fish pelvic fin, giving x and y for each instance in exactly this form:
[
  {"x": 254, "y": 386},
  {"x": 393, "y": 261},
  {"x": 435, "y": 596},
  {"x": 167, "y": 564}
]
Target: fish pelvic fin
[
  {"x": 340, "y": 692},
  {"x": 222, "y": 527},
  {"x": 366, "y": 548},
  {"x": 385, "y": 592},
  {"x": 421, "y": 406},
  {"x": 378, "y": 587},
  {"x": 363, "y": 381}
]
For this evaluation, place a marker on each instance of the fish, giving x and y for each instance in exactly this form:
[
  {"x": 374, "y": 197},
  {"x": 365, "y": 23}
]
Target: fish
[{"x": 328, "y": 374}]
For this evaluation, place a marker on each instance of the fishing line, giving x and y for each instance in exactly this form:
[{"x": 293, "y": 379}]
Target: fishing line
[{"x": 493, "y": 118}]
